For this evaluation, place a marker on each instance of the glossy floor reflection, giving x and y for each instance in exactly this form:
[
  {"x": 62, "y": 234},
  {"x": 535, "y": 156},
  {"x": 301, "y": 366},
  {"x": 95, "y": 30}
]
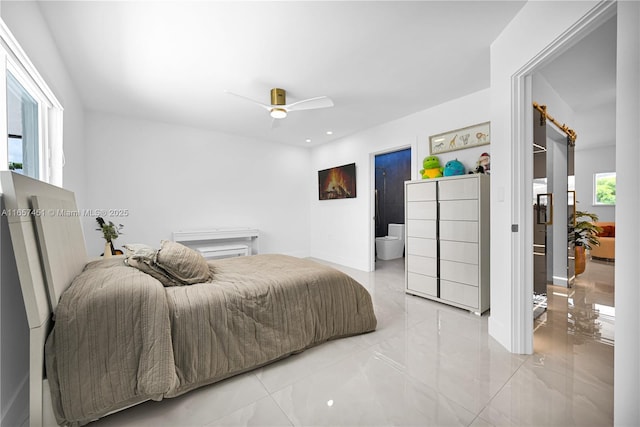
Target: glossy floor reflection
[{"x": 426, "y": 364}]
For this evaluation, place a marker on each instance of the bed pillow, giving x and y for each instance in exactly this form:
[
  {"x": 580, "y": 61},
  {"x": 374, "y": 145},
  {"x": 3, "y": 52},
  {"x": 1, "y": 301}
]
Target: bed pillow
[
  {"x": 143, "y": 258},
  {"x": 183, "y": 263},
  {"x": 154, "y": 271},
  {"x": 140, "y": 251}
]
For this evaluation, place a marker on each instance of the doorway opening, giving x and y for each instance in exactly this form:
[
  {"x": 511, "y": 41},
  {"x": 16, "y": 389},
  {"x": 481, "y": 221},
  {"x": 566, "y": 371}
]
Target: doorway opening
[
  {"x": 573, "y": 288},
  {"x": 523, "y": 192},
  {"x": 391, "y": 170}
]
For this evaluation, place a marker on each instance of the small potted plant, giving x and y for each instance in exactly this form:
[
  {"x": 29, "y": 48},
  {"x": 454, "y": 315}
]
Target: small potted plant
[
  {"x": 585, "y": 235},
  {"x": 110, "y": 232}
]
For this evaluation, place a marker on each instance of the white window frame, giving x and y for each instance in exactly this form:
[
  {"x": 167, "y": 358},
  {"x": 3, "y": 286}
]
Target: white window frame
[{"x": 50, "y": 111}]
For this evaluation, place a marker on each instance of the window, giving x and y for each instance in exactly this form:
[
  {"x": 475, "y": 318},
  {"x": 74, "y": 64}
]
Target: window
[
  {"x": 32, "y": 121},
  {"x": 604, "y": 188},
  {"x": 22, "y": 122}
]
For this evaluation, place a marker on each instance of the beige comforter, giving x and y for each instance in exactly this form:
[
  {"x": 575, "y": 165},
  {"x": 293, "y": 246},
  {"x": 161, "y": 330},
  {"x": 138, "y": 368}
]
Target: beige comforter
[{"x": 120, "y": 337}]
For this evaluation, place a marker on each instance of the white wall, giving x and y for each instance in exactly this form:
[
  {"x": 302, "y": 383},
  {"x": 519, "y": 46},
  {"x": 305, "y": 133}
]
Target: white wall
[
  {"x": 544, "y": 94},
  {"x": 173, "y": 178},
  {"x": 26, "y": 23},
  {"x": 588, "y": 162},
  {"x": 520, "y": 42},
  {"x": 597, "y": 126},
  {"x": 627, "y": 354},
  {"x": 595, "y": 152},
  {"x": 341, "y": 229}
]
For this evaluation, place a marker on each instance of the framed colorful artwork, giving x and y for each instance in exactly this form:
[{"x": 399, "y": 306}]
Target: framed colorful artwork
[{"x": 459, "y": 139}]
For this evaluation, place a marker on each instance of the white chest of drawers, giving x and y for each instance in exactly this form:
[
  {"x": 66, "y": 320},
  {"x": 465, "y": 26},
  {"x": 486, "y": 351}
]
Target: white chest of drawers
[{"x": 447, "y": 240}]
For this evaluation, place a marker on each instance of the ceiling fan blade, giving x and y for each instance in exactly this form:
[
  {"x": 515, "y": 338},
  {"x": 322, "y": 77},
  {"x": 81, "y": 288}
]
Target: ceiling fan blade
[
  {"x": 275, "y": 123},
  {"x": 265, "y": 106},
  {"x": 310, "y": 104}
]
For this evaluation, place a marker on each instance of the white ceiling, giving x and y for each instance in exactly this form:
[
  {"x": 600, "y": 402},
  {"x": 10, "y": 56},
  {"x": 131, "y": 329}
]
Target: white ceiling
[
  {"x": 585, "y": 78},
  {"x": 171, "y": 61}
]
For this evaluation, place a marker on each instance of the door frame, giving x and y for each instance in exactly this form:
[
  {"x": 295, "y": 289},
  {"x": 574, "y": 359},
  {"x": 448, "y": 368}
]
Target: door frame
[
  {"x": 522, "y": 171},
  {"x": 372, "y": 197}
]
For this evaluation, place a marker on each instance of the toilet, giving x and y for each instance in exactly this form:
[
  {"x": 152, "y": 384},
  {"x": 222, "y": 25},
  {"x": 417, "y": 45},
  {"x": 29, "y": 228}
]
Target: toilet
[{"x": 391, "y": 246}]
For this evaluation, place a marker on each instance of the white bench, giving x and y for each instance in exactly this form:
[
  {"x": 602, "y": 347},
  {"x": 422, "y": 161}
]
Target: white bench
[
  {"x": 218, "y": 251},
  {"x": 220, "y": 242}
]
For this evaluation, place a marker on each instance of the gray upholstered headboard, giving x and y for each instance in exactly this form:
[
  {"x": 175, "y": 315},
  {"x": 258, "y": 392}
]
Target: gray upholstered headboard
[{"x": 47, "y": 239}]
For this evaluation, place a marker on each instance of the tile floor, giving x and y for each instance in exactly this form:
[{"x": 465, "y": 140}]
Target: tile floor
[{"x": 426, "y": 364}]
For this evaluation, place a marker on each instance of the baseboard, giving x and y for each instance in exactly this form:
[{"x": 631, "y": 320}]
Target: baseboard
[
  {"x": 329, "y": 257},
  {"x": 17, "y": 411}
]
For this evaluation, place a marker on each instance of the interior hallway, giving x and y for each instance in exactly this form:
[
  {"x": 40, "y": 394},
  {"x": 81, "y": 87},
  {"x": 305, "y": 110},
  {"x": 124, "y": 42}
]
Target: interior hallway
[{"x": 426, "y": 364}]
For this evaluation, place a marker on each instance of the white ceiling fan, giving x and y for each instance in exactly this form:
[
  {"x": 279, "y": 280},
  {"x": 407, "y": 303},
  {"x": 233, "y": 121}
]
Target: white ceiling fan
[{"x": 279, "y": 107}]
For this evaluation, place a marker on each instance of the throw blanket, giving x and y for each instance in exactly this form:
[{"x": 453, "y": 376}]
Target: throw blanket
[{"x": 121, "y": 338}]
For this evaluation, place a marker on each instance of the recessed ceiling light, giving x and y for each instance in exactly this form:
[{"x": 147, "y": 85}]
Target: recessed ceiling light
[
  {"x": 329, "y": 132},
  {"x": 308, "y": 140}
]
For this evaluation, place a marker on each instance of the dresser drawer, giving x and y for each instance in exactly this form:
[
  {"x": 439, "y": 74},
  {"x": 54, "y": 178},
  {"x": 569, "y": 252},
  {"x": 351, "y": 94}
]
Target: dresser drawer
[
  {"x": 460, "y": 231},
  {"x": 459, "y": 293},
  {"x": 459, "y": 251},
  {"x": 424, "y": 228},
  {"x": 421, "y": 283},
  {"x": 422, "y": 210},
  {"x": 422, "y": 265},
  {"x": 459, "y": 210},
  {"x": 459, "y": 272},
  {"x": 421, "y": 191},
  {"x": 422, "y": 247},
  {"x": 458, "y": 189}
]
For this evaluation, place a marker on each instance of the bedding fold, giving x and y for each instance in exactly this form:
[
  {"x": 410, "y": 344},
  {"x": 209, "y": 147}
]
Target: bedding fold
[{"x": 111, "y": 343}]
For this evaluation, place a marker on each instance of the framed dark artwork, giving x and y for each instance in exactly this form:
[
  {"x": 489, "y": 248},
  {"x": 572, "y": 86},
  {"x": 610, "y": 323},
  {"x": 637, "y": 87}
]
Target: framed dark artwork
[{"x": 337, "y": 183}]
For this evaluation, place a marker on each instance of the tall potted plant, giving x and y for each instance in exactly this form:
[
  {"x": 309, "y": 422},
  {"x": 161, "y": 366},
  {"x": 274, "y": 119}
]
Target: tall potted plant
[{"x": 585, "y": 235}]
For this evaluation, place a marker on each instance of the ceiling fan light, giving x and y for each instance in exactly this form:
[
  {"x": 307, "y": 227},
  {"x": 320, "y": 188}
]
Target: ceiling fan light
[{"x": 278, "y": 113}]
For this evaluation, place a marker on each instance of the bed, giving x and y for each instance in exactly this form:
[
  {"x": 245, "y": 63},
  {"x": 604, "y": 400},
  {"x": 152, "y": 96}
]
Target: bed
[{"x": 121, "y": 337}]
